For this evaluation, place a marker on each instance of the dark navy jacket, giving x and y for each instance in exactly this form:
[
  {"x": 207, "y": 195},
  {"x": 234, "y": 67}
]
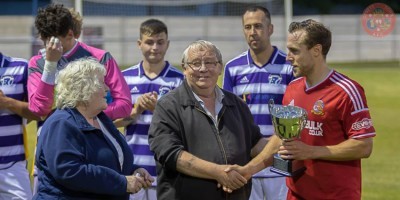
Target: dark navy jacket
[{"x": 77, "y": 161}]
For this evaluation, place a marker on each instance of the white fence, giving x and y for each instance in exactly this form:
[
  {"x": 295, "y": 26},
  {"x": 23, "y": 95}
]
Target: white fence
[{"x": 119, "y": 35}]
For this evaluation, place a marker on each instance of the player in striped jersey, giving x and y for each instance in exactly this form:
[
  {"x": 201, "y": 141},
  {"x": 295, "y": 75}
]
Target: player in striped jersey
[
  {"x": 148, "y": 81},
  {"x": 338, "y": 131},
  {"x": 14, "y": 177},
  {"x": 258, "y": 75}
]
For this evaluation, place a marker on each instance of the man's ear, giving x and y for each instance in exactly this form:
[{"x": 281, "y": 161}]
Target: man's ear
[
  {"x": 271, "y": 29},
  {"x": 167, "y": 44},
  {"x": 317, "y": 50}
]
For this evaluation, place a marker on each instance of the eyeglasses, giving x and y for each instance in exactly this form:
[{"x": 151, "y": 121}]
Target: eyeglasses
[{"x": 196, "y": 65}]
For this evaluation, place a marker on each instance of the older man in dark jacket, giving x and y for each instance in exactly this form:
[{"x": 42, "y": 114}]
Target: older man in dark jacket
[{"x": 198, "y": 130}]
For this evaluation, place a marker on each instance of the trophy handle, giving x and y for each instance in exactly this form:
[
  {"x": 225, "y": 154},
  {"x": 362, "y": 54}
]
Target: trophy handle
[
  {"x": 271, "y": 104},
  {"x": 304, "y": 120}
]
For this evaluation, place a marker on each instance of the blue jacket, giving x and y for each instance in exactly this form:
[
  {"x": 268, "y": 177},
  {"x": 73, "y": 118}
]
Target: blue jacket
[{"x": 77, "y": 161}]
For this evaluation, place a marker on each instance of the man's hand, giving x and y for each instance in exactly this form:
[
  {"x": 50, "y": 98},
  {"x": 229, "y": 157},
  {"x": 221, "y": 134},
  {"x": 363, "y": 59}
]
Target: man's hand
[
  {"x": 234, "y": 170},
  {"x": 150, "y": 100},
  {"x": 242, "y": 170},
  {"x": 54, "y": 50},
  {"x": 147, "y": 101},
  {"x": 3, "y": 100},
  {"x": 229, "y": 180}
]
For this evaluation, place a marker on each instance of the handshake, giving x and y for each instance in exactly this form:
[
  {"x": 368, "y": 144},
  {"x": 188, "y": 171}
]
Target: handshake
[
  {"x": 138, "y": 180},
  {"x": 231, "y": 177}
]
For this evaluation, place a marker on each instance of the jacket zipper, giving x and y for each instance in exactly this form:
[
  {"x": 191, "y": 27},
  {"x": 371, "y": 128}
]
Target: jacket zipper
[
  {"x": 219, "y": 139},
  {"x": 223, "y": 149}
]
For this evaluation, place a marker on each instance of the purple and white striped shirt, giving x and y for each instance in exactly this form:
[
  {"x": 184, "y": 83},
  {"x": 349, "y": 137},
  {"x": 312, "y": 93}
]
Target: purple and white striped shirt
[
  {"x": 256, "y": 85},
  {"x": 137, "y": 132},
  {"x": 13, "y": 79}
]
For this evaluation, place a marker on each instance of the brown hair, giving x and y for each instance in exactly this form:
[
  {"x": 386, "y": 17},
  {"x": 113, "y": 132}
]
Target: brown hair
[{"x": 316, "y": 33}]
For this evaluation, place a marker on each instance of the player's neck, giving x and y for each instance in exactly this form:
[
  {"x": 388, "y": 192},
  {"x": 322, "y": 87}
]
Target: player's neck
[
  {"x": 153, "y": 69},
  {"x": 262, "y": 57},
  {"x": 69, "y": 45},
  {"x": 319, "y": 74}
]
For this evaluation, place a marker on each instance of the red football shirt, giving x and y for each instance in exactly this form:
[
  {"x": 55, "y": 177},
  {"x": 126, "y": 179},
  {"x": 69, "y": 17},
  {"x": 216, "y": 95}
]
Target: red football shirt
[{"x": 337, "y": 110}]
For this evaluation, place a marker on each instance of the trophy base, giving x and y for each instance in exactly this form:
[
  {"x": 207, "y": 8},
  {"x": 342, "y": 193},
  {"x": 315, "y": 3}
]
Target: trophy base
[{"x": 286, "y": 167}]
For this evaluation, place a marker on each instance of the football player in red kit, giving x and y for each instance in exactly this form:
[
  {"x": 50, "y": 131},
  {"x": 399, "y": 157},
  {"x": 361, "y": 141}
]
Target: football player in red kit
[{"x": 338, "y": 131}]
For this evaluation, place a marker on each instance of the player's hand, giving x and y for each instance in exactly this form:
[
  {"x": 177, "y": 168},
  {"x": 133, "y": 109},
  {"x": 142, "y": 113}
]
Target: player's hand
[
  {"x": 138, "y": 108},
  {"x": 230, "y": 180},
  {"x": 242, "y": 170},
  {"x": 3, "y": 100},
  {"x": 296, "y": 150},
  {"x": 149, "y": 100},
  {"x": 54, "y": 49}
]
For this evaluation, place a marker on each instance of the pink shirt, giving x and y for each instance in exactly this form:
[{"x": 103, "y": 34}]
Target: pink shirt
[{"x": 41, "y": 94}]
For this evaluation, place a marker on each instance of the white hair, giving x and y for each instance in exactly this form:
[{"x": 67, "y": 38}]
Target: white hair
[
  {"x": 201, "y": 44},
  {"x": 77, "y": 82}
]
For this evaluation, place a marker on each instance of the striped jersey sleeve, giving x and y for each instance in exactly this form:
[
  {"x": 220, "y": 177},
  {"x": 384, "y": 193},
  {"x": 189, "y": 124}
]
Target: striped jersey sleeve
[{"x": 13, "y": 80}]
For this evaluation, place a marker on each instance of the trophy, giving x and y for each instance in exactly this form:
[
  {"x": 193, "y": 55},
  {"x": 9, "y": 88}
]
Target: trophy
[{"x": 288, "y": 121}]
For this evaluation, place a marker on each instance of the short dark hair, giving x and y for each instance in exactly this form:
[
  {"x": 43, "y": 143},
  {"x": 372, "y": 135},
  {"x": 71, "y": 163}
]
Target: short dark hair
[
  {"x": 153, "y": 26},
  {"x": 254, "y": 8},
  {"x": 317, "y": 33},
  {"x": 54, "y": 20}
]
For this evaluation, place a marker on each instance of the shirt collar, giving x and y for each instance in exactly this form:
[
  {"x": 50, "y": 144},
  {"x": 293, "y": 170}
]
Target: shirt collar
[
  {"x": 219, "y": 95},
  {"x": 271, "y": 59}
]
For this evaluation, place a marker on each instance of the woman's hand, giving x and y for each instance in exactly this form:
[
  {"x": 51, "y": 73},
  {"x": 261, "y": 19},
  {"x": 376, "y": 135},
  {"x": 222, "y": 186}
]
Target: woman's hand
[
  {"x": 134, "y": 183},
  {"x": 143, "y": 173}
]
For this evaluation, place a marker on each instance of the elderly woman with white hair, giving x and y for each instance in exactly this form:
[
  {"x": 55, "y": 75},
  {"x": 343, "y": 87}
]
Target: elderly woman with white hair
[{"x": 80, "y": 153}]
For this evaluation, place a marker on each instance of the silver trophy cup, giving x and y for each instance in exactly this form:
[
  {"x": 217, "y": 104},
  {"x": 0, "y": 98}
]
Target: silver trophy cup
[{"x": 288, "y": 121}]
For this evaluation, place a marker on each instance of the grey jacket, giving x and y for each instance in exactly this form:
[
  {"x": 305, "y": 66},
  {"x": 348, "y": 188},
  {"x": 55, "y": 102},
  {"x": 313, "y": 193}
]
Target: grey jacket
[{"x": 180, "y": 123}]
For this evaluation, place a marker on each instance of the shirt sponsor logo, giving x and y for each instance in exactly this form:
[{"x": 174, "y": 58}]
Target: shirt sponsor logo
[
  {"x": 244, "y": 80},
  {"x": 274, "y": 79},
  {"x": 6, "y": 80},
  {"x": 318, "y": 108},
  {"x": 314, "y": 128},
  {"x": 363, "y": 124}
]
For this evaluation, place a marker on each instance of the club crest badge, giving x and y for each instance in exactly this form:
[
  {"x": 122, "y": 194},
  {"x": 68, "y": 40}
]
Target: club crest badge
[
  {"x": 378, "y": 20},
  {"x": 318, "y": 108},
  {"x": 163, "y": 90},
  {"x": 274, "y": 79},
  {"x": 6, "y": 80}
]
